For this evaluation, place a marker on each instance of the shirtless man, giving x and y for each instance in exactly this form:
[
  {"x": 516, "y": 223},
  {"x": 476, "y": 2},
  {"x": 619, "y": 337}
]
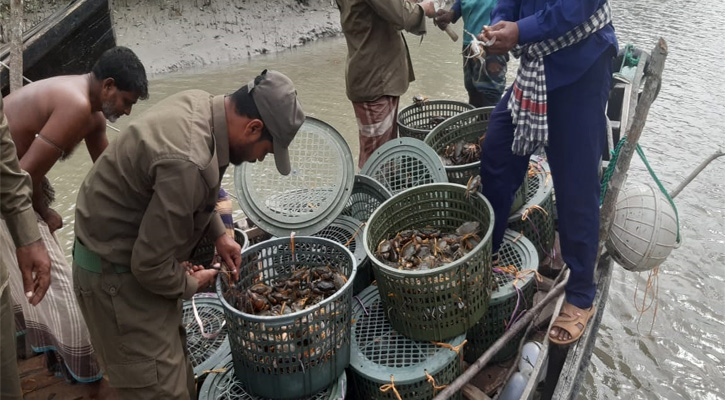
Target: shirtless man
[{"x": 48, "y": 119}]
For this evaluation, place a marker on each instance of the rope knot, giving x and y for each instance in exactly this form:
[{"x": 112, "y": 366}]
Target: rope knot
[{"x": 391, "y": 386}]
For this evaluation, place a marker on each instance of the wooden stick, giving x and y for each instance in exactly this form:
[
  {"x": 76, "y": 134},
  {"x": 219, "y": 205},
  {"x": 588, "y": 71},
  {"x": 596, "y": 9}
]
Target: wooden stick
[
  {"x": 476, "y": 367},
  {"x": 654, "y": 77}
]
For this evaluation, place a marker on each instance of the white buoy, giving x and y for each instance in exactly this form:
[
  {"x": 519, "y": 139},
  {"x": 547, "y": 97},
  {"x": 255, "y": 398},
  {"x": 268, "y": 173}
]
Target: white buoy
[{"x": 644, "y": 230}]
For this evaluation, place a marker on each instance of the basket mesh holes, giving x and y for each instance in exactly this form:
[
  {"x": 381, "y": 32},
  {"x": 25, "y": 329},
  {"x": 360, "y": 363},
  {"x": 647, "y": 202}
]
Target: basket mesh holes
[{"x": 403, "y": 172}]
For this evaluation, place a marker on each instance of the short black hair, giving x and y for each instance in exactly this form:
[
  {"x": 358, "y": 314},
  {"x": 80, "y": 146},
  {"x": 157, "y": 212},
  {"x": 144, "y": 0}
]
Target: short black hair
[
  {"x": 121, "y": 64},
  {"x": 244, "y": 105}
]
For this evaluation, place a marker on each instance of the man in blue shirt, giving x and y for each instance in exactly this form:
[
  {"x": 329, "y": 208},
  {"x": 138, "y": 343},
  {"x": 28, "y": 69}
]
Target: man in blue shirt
[
  {"x": 484, "y": 79},
  {"x": 557, "y": 101}
]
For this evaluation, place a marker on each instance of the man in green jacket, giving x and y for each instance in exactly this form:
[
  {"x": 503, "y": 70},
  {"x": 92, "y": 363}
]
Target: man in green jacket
[
  {"x": 378, "y": 68},
  {"x": 16, "y": 207},
  {"x": 146, "y": 202}
]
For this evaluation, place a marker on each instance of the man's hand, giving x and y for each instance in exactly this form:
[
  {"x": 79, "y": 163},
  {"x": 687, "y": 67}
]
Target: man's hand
[
  {"x": 506, "y": 35},
  {"x": 443, "y": 18},
  {"x": 231, "y": 253},
  {"x": 34, "y": 265},
  {"x": 205, "y": 277},
  {"x": 428, "y": 7},
  {"x": 53, "y": 219}
]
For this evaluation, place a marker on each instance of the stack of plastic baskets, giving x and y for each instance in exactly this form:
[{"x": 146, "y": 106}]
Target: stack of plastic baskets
[
  {"x": 385, "y": 363},
  {"x": 205, "y": 352},
  {"x": 292, "y": 355},
  {"x": 514, "y": 275},
  {"x": 467, "y": 127},
  {"x": 443, "y": 302},
  {"x": 419, "y": 118},
  {"x": 535, "y": 219},
  {"x": 223, "y": 384}
]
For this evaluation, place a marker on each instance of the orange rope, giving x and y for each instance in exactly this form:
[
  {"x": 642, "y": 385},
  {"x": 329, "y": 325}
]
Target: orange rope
[
  {"x": 354, "y": 234},
  {"x": 391, "y": 386},
  {"x": 449, "y": 346},
  {"x": 525, "y": 214},
  {"x": 429, "y": 378},
  {"x": 653, "y": 286}
]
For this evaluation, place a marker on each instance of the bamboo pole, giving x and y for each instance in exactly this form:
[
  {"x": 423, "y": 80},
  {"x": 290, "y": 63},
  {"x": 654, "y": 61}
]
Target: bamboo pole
[
  {"x": 654, "y": 77},
  {"x": 477, "y": 366},
  {"x": 16, "y": 44}
]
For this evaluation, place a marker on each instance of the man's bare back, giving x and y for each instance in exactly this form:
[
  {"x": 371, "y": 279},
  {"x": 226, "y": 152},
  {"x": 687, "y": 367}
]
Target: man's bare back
[
  {"x": 51, "y": 107},
  {"x": 50, "y": 117}
]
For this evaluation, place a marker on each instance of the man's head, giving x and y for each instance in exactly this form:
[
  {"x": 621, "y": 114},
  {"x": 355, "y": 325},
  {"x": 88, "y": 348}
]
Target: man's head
[
  {"x": 123, "y": 81},
  {"x": 266, "y": 118}
]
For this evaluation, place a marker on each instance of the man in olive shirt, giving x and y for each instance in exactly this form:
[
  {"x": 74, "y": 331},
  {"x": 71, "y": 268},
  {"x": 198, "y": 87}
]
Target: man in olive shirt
[
  {"x": 378, "y": 68},
  {"x": 146, "y": 202},
  {"x": 16, "y": 207}
]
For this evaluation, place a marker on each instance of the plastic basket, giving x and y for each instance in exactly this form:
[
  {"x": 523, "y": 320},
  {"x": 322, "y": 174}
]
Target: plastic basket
[
  {"x": 367, "y": 195},
  {"x": 535, "y": 219},
  {"x": 349, "y": 232},
  {"x": 416, "y": 120},
  {"x": 518, "y": 251},
  {"x": 404, "y": 163},
  {"x": 469, "y": 126},
  {"x": 443, "y": 302},
  {"x": 204, "y": 353},
  {"x": 378, "y": 352},
  {"x": 298, "y": 354},
  {"x": 224, "y": 385},
  {"x": 204, "y": 252},
  {"x": 311, "y": 196}
]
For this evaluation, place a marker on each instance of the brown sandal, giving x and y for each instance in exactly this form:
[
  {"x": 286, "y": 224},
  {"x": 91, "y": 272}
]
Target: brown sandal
[{"x": 573, "y": 320}]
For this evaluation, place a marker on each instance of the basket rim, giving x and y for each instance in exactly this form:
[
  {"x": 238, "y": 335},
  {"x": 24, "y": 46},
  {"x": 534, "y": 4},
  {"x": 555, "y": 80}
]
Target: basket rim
[
  {"x": 444, "y": 267},
  {"x": 450, "y": 121},
  {"x": 541, "y": 194},
  {"x": 433, "y": 102},
  {"x": 283, "y": 319},
  {"x": 380, "y": 373}
]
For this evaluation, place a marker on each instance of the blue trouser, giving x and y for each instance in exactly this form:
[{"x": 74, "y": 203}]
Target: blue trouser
[{"x": 577, "y": 136}]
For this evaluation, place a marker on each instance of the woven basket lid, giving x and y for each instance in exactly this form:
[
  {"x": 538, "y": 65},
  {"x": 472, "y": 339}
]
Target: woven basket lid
[
  {"x": 311, "y": 196},
  {"x": 204, "y": 353},
  {"x": 404, "y": 163},
  {"x": 347, "y": 231},
  {"x": 225, "y": 385},
  {"x": 367, "y": 195},
  {"x": 378, "y": 350}
]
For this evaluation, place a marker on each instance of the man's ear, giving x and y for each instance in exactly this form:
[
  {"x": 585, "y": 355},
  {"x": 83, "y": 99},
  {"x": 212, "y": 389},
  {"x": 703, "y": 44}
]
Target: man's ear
[
  {"x": 109, "y": 83},
  {"x": 254, "y": 129}
]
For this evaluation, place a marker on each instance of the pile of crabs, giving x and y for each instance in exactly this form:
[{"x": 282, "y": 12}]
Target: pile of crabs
[
  {"x": 428, "y": 248},
  {"x": 460, "y": 153},
  {"x": 289, "y": 293}
]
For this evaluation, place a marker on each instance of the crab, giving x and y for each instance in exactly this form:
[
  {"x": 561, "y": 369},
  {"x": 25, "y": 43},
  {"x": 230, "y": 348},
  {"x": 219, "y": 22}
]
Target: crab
[
  {"x": 419, "y": 99},
  {"x": 473, "y": 186}
]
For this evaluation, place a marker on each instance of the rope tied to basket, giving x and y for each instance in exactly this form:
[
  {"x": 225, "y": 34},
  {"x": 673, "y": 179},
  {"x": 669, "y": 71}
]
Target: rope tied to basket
[
  {"x": 431, "y": 379},
  {"x": 449, "y": 346},
  {"x": 201, "y": 323},
  {"x": 527, "y": 216},
  {"x": 213, "y": 371},
  {"x": 391, "y": 386}
]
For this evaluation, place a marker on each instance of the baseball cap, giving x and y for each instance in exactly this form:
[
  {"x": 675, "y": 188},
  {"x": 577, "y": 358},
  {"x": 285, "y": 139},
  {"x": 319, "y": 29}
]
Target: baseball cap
[{"x": 276, "y": 100}]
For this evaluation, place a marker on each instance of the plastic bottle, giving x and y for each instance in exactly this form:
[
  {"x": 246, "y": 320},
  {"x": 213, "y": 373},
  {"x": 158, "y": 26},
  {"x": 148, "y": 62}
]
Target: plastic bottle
[
  {"x": 514, "y": 388},
  {"x": 529, "y": 356}
]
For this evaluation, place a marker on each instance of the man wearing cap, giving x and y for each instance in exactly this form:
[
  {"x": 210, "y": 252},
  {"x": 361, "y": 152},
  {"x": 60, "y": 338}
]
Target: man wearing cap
[{"x": 146, "y": 202}]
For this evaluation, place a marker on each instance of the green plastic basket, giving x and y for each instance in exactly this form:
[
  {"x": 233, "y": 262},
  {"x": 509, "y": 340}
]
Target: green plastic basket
[
  {"x": 224, "y": 385},
  {"x": 204, "y": 353},
  {"x": 518, "y": 251},
  {"x": 367, "y": 195},
  {"x": 298, "y": 354},
  {"x": 378, "y": 352},
  {"x": 469, "y": 126},
  {"x": 444, "y": 302},
  {"x": 404, "y": 163},
  {"x": 203, "y": 254},
  {"x": 537, "y": 224},
  {"x": 416, "y": 120}
]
